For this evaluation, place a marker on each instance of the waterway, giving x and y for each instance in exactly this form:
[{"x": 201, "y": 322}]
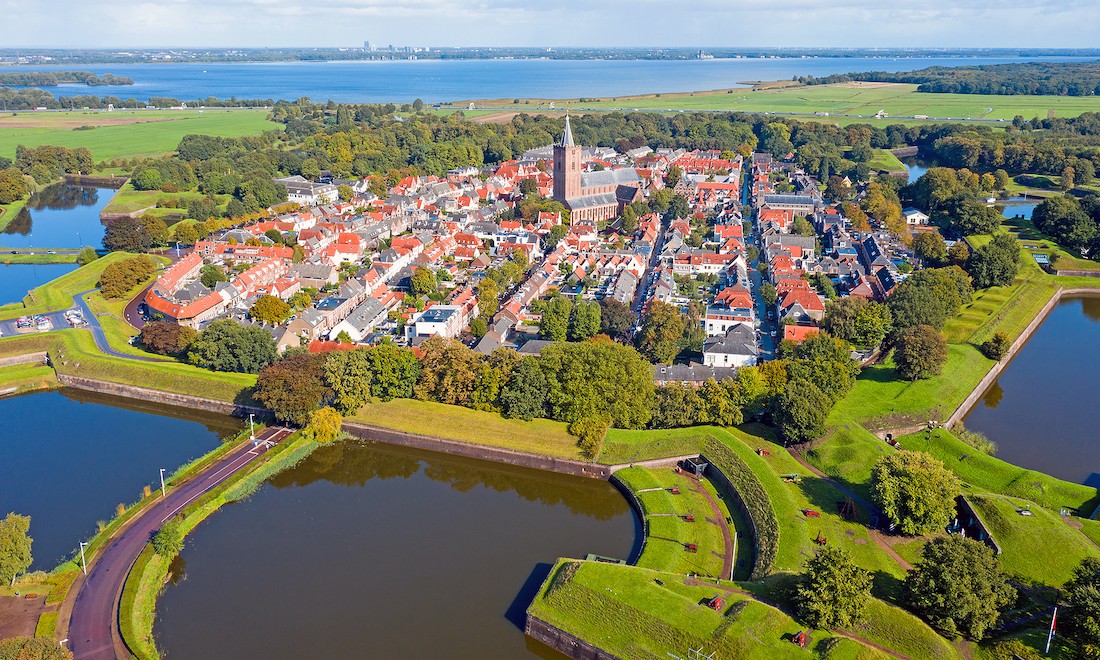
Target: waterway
[
  {"x": 401, "y": 81},
  {"x": 60, "y": 216},
  {"x": 17, "y": 279},
  {"x": 69, "y": 458},
  {"x": 1040, "y": 411},
  {"x": 366, "y": 550}
]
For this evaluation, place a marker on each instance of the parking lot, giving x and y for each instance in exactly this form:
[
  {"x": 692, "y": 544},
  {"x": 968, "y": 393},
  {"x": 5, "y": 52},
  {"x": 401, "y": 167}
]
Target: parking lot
[{"x": 25, "y": 325}]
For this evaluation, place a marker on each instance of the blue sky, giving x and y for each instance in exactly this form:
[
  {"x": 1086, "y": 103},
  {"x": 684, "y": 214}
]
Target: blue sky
[{"x": 750, "y": 23}]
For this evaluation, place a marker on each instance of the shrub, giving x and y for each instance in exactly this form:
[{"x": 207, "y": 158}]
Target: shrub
[
  {"x": 997, "y": 346},
  {"x": 756, "y": 501},
  {"x": 168, "y": 541},
  {"x": 590, "y": 432},
  {"x": 118, "y": 278},
  {"x": 975, "y": 439}
]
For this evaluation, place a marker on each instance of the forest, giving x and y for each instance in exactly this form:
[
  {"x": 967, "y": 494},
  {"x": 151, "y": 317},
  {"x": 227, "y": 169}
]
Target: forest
[
  {"x": 55, "y": 78},
  {"x": 1030, "y": 78}
]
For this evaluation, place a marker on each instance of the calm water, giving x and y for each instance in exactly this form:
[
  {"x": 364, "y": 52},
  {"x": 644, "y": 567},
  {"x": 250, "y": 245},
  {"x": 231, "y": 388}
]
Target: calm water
[
  {"x": 1040, "y": 412},
  {"x": 372, "y": 551},
  {"x": 69, "y": 457},
  {"x": 448, "y": 80},
  {"x": 61, "y": 216},
  {"x": 17, "y": 279}
]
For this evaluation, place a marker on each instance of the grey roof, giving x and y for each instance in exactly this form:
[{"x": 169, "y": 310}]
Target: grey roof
[
  {"x": 789, "y": 200},
  {"x": 366, "y": 315},
  {"x": 692, "y": 373},
  {"x": 738, "y": 340},
  {"x": 591, "y": 201},
  {"x": 534, "y": 347},
  {"x": 567, "y": 136},
  {"x": 617, "y": 177},
  {"x": 313, "y": 271}
]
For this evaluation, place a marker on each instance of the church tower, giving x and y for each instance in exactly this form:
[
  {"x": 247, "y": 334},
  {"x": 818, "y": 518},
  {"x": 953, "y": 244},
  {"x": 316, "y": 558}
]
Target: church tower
[{"x": 567, "y": 167}]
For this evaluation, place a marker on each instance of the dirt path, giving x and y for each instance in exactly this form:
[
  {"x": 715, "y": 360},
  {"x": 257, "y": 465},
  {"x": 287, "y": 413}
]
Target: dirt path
[{"x": 720, "y": 522}]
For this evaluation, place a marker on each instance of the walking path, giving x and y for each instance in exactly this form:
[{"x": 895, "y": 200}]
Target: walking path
[{"x": 93, "y": 626}]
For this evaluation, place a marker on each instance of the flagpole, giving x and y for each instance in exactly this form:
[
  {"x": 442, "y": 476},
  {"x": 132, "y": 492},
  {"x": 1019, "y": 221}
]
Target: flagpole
[{"x": 1051, "y": 635}]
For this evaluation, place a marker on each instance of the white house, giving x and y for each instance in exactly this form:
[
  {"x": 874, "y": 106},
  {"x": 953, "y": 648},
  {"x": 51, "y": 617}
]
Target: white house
[
  {"x": 736, "y": 348},
  {"x": 915, "y": 216}
]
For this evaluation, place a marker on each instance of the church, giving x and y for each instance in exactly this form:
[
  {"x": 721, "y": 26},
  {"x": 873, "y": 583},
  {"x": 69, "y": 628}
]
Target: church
[{"x": 591, "y": 196}]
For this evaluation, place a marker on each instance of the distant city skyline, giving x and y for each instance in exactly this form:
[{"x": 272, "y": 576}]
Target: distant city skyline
[{"x": 565, "y": 23}]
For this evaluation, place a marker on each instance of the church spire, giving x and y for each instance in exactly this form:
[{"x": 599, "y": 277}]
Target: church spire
[{"x": 567, "y": 137}]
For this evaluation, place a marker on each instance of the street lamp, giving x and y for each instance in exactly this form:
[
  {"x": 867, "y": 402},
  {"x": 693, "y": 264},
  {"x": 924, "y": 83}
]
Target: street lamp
[
  {"x": 82, "y": 561},
  {"x": 162, "y": 491},
  {"x": 252, "y": 430}
]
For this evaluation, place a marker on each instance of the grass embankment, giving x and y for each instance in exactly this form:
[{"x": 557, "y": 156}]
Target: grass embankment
[
  {"x": 667, "y": 532},
  {"x": 885, "y": 161},
  {"x": 58, "y": 294},
  {"x": 540, "y": 436},
  {"x": 137, "y": 609},
  {"x": 23, "y": 378},
  {"x": 127, "y": 133},
  {"x": 128, "y": 200},
  {"x": 9, "y": 211},
  {"x": 867, "y": 99},
  {"x": 39, "y": 258}
]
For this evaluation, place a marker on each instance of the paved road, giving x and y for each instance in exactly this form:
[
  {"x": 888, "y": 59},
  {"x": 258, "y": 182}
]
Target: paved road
[{"x": 94, "y": 621}]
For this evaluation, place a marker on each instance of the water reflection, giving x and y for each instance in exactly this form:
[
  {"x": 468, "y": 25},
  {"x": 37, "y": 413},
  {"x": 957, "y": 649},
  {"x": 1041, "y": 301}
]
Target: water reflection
[
  {"x": 992, "y": 397},
  {"x": 59, "y": 216}
]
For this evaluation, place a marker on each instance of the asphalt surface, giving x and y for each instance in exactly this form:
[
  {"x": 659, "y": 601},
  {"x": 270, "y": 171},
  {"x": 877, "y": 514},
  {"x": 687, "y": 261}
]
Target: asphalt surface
[{"x": 94, "y": 623}]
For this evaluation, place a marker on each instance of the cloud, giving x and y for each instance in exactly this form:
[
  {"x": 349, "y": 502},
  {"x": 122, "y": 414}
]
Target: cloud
[{"x": 703, "y": 23}]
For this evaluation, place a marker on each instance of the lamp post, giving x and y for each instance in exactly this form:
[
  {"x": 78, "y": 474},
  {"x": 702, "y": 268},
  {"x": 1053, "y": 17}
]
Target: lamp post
[
  {"x": 162, "y": 490},
  {"x": 251, "y": 429},
  {"x": 83, "y": 563}
]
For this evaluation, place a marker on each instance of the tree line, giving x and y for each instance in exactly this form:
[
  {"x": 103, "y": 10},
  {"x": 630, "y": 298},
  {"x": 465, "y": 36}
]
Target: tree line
[
  {"x": 55, "y": 78},
  {"x": 1019, "y": 78}
]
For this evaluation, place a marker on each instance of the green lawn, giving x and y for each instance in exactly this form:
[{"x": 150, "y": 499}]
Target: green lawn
[
  {"x": 886, "y": 161},
  {"x": 149, "y": 133},
  {"x": 541, "y": 436},
  {"x": 39, "y": 258},
  {"x": 9, "y": 211},
  {"x": 128, "y": 200},
  {"x": 897, "y": 100},
  {"x": 26, "y": 377}
]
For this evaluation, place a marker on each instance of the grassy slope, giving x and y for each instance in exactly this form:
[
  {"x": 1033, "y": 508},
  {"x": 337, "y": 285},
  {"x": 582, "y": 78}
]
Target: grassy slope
[
  {"x": 9, "y": 211},
  {"x": 26, "y": 378},
  {"x": 896, "y": 99},
  {"x": 465, "y": 425},
  {"x": 885, "y": 161},
  {"x": 128, "y": 200},
  {"x": 159, "y": 134}
]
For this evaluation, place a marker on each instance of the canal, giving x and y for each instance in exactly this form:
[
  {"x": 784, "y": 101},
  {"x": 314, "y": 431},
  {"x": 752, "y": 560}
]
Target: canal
[
  {"x": 69, "y": 458},
  {"x": 365, "y": 550},
  {"x": 59, "y": 216},
  {"x": 1040, "y": 411},
  {"x": 17, "y": 279}
]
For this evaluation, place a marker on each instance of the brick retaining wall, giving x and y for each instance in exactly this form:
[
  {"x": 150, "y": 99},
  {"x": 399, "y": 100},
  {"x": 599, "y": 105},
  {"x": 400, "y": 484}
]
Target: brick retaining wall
[
  {"x": 26, "y": 358},
  {"x": 563, "y": 642}
]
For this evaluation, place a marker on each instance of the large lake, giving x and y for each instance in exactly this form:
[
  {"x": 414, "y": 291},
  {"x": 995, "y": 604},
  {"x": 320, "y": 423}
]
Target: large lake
[
  {"x": 68, "y": 458},
  {"x": 60, "y": 216},
  {"x": 1041, "y": 410},
  {"x": 371, "y": 551},
  {"x": 402, "y": 81}
]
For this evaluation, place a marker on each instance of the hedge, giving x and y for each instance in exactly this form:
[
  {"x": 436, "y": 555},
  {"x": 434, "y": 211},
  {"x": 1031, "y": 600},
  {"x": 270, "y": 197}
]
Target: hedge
[{"x": 757, "y": 504}]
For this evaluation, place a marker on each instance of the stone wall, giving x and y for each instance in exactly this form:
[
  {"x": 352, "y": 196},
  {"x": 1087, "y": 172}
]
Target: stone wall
[
  {"x": 26, "y": 358},
  {"x": 563, "y": 642},
  {"x": 167, "y": 398},
  {"x": 482, "y": 452},
  {"x": 115, "y": 182}
]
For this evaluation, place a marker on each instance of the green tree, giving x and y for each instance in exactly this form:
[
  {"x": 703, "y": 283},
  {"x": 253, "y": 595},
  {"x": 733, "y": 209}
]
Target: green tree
[
  {"x": 1082, "y": 594},
  {"x": 166, "y": 338},
  {"x": 958, "y": 254},
  {"x": 87, "y": 255},
  {"x": 478, "y": 327},
  {"x": 590, "y": 432},
  {"x": 168, "y": 541},
  {"x": 997, "y": 346},
  {"x": 15, "y": 547},
  {"x": 270, "y": 309},
  {"x": 616, "y": 318},
  {"x": 423, "y": 281},
  {"x": 555, "y": 318},
  {"x": 800, "y": 411},
  {"x": 677, "y": 406},
  {"x": 345, "y": 192},
  {"x": 662, "y": 328},
  {"x": 995, "y": 263},
  {"x": 325, "y": 425},
  {"x": 557, "y": 232},
  {"x": 768, "y": 294},
  {"x": 585, "y": 321},
  {"x": 394, "y": 371},
  {"x": 13, "y": 186},
  {"x": 293, "y": 387},
  {"x": 864, "y": 323},
  {"x": 598, "y": 379},
  {"x": 524, "y": 395},
  {"x": 929, "y": 297},
  {"x": 721, "y": 407},
  {"x": 349, "y": 375},
  {"x": 958, "y": 587},
  {"x": 930, "y": 248},
  {"x": 488, "y": 297},
  {"x": 832, "y": 592},
  {"x": 186, "y": 233},
  {"x": 118, "y": 278},
  {"x": 920, "y": 352},
  {"x": 915, "y": 491},
  {"x": 226, "y": 345},
  {"x": 802, "y": 227},
  {"x": 211, "y": 274}
]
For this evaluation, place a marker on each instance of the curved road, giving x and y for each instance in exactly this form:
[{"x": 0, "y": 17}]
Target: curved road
[{"x": 93, "y": 627}]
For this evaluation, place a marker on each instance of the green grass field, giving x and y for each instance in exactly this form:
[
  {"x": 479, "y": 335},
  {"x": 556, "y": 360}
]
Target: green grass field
[
  {"x": 128, "y": 200},
  {"x": 126, "y": 133},
  {"x": 866, "y": 99},
  {"x": 885, "y": 161},
  {"x": 542, "y": 436}
]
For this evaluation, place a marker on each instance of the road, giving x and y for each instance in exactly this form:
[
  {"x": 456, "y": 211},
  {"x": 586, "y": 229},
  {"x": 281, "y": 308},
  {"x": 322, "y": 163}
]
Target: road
[{"x": 93, "y": 626}]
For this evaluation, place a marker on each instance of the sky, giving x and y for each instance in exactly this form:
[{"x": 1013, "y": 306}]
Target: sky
[{"x": 699, "y": 23}]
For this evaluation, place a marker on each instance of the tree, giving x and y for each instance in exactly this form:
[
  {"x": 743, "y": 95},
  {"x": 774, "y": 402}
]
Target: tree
[
  {"x": 87, "y": 255},
  {"x": 590, "y": 432},
  {"x": 585, "y": 321},
  {"x": 958, "y": 254},
  {"x": 915, "y": 491},
  {"x": 166, "y": 338},
  {"x": 929, "y": 297},
  {"x": 134, "y": 234},
  {"x": 662, "y": 327},
  {"x": 119, "y": 277},
  {"x": 488, "y": 297},
  {"x": 555, "y": 318},
  {"x": 598, "y": 379},
  {"x": 1001, "y": 179},
  {"x": 325, "y": 425},
  {"x": 478, "y": 327},
  {"x": 186, "y": 233},
  {"x": 557, "y": 232},
  {"x": 394, "y": 371},
  {"x": 958, "y": 587},
  {"x": 920, "y": 352},
  {"x": 1082, "y": 594},
  {"x": 226, "y": 345},
  {"x": 13, "y": 186},
  {"x": 616, "y": 318},
  {"x": 864, "y": 323},
  {"x": 423, "y": 281},
  {"x": 524, "y": 395},
  {"x": 930, "y": 248},
  {"x": 15, "y": 547},
  {"x": 270, "y": 309},
  {"x": 997, "y": 346},
  {"x": 349, "y": 375},
  {"x": 800, "y": 411},
  {"x": 995, "y": 263},
  {"x": 168, "y": 541},
  {"x": 832, "y": 592},
  {"x": 293, "y": 387},
  {"x": 33, "y": 648},
  {"x": 802, "y": 226},
  {"x": 211, "y": 274},
  {"x": 673, "y": 177},
  {"x": 768, "y": 294},
  {"x": 678, "y": 405}
]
